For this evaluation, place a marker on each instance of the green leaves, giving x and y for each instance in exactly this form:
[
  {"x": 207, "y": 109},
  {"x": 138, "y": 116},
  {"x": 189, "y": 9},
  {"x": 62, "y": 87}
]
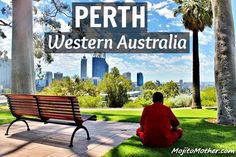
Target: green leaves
[
  {"x": 149, "y": 85},
  {"x": 169, "y": 89},
  {"x": 196, "y": 14},
  {"x": 116, "y": 87},
  {"x": 67, "y": 86}
]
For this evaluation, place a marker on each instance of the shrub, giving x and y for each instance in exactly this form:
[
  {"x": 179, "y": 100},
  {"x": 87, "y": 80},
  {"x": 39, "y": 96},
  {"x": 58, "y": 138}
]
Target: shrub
[
  {"x": 168, "y": 102},
  {"x": 138, "y": 103},
  {"x": 132, "y": 104},
  {"x": 90, "y": 101},
  {"x": 6, "y": 90},
  {"x": 208, "y": 103},
  {"x": 182, "y": 100},
  {"x": 143, "y": 102},
  {"x": 208, "y": 96}
]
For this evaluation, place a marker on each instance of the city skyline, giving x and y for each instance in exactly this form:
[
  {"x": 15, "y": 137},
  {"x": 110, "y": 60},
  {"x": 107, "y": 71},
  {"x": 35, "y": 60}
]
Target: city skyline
[{"x": 163, "y": 67}]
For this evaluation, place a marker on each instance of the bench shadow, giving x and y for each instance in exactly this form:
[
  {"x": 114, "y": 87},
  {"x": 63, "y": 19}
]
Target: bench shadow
[{"x": 58, "y": 138}]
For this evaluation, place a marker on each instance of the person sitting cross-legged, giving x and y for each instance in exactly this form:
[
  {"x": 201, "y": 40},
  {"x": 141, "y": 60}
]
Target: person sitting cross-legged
[{"x": 158, "y": 124}]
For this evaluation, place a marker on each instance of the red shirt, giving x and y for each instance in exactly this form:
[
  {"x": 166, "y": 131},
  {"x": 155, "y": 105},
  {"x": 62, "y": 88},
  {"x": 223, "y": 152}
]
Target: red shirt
[{"x": 157, "y": 121}]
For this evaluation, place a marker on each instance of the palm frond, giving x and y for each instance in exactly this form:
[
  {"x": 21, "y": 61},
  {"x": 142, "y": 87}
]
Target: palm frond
[{"x": 196, "y": 14}]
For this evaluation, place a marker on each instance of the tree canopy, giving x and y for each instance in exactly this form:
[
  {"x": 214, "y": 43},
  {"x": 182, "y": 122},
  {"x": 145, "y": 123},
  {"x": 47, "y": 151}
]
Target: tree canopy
[
  {"x": 116, "y": 87},
  {"x": 197, "y": 14}
]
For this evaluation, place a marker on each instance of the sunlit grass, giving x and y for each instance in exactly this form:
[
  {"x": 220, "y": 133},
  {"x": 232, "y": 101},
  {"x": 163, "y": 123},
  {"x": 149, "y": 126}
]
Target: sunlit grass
[{"x": 198, "y": 133}]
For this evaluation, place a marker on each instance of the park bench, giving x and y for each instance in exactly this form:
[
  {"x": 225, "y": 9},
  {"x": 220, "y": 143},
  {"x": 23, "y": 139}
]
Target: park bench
[{"x": 48, "y": 109}]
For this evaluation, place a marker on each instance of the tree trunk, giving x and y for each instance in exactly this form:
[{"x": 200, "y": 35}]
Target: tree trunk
[
  {"x": 225, "y": 76},
  {"x": 196, "y": 100},
  {"x": 23, "y": 76}
]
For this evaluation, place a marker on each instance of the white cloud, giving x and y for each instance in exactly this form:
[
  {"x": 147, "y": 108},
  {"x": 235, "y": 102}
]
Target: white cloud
[
  {"x": 7, "y": 1},
  {"x": 177, "y": 23},
  {"x": 108, "y": 1},
  {"x": 162, "y": 8},
  {"x": 166, "y": 12},
  {"x": 129, "y": 1},
  {"x": 206, "y": 37},
  {"x": 149, "y": 5},
  {"x": 69, "y": 64},
  {"x": 160, "y": 5}
]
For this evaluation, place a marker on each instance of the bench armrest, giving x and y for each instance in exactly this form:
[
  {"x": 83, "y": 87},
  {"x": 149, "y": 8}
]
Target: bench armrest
[{"x": 88, "y": 117}]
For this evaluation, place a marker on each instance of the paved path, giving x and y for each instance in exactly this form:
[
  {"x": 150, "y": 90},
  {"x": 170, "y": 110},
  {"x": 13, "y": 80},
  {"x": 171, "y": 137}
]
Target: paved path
[{"x": 52, "y": 140}]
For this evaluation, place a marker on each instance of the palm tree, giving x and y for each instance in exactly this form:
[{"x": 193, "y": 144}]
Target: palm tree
[
  {"x": 23, "y": 77},
  {"x": 225, "y": 71},
  {"x": 196, "y": 15}
]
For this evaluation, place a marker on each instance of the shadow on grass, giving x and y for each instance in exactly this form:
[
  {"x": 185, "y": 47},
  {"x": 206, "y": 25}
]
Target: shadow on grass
[{"x": 197, "y": 134}]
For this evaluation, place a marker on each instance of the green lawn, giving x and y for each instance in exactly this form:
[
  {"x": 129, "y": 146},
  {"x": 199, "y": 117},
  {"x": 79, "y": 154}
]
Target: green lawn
[
  {"x": 198, "y": 133},
  {"x": 5, "y": 115}
]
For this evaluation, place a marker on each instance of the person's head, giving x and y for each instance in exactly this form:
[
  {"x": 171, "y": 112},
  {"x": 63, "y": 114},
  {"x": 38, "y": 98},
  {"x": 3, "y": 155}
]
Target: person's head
[{"x": 157, "y": 97}]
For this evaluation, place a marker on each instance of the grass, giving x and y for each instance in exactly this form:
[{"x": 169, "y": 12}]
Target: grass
[
  {"x": 5, "y": 115},
  {"x": 198, "y": 133}
]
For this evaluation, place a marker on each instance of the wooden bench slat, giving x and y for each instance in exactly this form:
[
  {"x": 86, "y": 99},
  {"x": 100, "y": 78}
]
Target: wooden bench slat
[
  {"x": 23, "y": 104},
  {"x": 24, "y": 108},
  {"x": 58, "y": 112},
  {"x": 63, "y": 101},
  {"x": 28, "y": 113},
  {"x": 56, "y": 98},
  {"x": 20, "y": 97},
  {"x": 58, "y": 103},
  {"x": 58, "y": 116},
  {"x": 22, "y": 101},
  {"x": 58, "y": 109}
]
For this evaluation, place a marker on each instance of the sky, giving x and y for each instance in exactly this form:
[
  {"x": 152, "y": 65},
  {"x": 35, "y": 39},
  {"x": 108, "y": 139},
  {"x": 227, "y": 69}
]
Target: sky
[{"x": 162, "y": 67}]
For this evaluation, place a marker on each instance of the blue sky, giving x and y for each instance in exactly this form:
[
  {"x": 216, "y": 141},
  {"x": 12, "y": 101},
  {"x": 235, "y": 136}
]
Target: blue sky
[{"x": 163, "y": 67}]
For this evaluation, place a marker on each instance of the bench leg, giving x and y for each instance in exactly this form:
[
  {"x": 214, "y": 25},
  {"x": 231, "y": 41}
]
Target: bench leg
[
  {"x": 14, "y": 122},
  {"x": 73, "y": 134},
  {"x": 88, "y": 138}
]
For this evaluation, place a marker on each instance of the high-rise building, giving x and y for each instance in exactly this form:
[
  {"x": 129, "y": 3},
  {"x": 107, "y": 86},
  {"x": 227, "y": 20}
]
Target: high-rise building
[
  {"x": 157, "y": 83},
  {"x": 139, "y": 79},
  {"x": 181, "y": 84},
  {"x": 48, "y": 78},
  {"x": 83, "y": 75},
  {"x": 127, "y": 75},
  {"x": 96, "y": 80},
  {"x": 58, "y": 76},
  {"x": 5, "y": 72},
  {"x": 99, "y": 65}
]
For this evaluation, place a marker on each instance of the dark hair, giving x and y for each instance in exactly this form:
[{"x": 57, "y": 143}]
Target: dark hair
[{"x": 157, "y": 97}]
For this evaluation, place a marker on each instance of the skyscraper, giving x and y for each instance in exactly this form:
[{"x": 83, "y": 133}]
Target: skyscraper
[
  {"x": 127, "y": 75},
  {"x": 58, "y": 76},
  {"x": 99, "y": 65},
  {"x": 139, "y": 79},
  {"x": 83, "y": 68},
  {"x": 48, "y": 78},
  {"x": 157, "y": 83}
]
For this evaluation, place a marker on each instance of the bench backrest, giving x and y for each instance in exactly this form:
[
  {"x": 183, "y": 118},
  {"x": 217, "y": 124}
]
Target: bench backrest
[{"x": 45, "y": 107}]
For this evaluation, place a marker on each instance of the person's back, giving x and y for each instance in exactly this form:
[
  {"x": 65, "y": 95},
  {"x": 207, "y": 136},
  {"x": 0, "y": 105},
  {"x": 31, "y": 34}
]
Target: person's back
[{"x": 158, "y": 126}]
